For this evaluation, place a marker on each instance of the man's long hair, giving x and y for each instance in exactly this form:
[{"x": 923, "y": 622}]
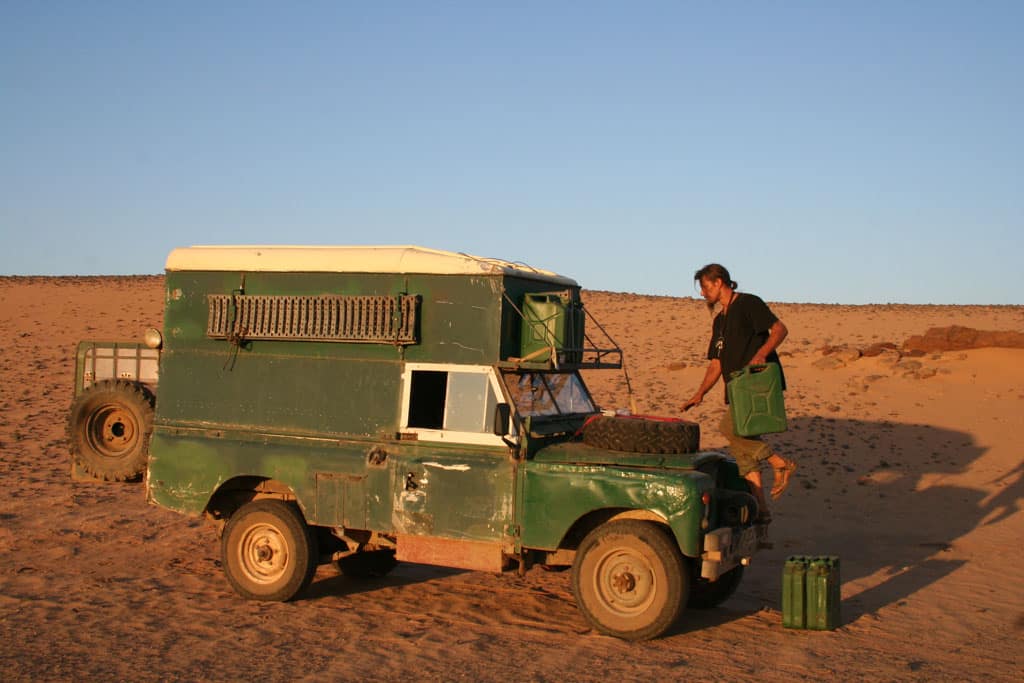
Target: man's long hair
[{"x": 714, "y": 271}]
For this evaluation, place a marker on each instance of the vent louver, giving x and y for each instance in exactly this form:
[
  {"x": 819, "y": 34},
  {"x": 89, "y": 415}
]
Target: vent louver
[{"x": 326, "y": 317}]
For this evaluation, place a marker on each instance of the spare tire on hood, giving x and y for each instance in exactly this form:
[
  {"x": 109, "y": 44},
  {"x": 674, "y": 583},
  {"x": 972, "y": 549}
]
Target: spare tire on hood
[{"x": 642, "y": 434}]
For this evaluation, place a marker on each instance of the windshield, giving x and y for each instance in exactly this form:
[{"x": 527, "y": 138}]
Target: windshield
[{"x": 548, "y": 393}]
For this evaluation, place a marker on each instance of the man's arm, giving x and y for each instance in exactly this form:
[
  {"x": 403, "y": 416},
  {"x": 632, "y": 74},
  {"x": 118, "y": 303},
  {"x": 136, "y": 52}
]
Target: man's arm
[
  {"x": 776, "y": 334},
  {"x": 714, "y": 371}
]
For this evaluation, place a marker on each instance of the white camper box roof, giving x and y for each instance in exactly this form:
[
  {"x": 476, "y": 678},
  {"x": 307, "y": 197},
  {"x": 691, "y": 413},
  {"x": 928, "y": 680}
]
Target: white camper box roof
[{"x": 349, "y": 259}]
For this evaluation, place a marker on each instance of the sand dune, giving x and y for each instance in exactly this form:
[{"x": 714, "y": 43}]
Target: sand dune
[{"x": 911, "y": 470}]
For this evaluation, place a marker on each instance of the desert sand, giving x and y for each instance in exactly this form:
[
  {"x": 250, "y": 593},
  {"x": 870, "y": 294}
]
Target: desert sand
[{"x": 911, "y": 470}]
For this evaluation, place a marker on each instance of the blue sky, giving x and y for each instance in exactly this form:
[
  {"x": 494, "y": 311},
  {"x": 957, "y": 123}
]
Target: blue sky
[{"x": 855, "y": 152}]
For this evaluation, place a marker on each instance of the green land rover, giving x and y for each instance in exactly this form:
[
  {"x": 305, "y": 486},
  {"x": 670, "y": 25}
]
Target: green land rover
[{"x": 365, "y": 405}]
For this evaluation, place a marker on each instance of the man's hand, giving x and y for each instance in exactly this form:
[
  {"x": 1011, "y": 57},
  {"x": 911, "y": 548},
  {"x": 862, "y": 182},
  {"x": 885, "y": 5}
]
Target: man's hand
[
  {"x": 711, "y": 376},
  {"x": 692, "y": 402}
]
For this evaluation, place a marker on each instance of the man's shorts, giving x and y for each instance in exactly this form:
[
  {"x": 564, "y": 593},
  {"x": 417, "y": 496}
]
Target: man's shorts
[{"x": 748, "y": 451}]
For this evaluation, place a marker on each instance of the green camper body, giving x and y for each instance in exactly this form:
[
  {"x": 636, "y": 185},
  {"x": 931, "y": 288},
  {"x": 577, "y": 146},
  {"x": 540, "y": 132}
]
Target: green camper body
[
  {"x": 307, "y": 414},
  {"x": 407, "y": 401},
  {"x": 323, "y": 388}
]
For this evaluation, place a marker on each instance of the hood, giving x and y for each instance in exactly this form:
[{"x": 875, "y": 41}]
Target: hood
[{"x": 582, "y": 454}]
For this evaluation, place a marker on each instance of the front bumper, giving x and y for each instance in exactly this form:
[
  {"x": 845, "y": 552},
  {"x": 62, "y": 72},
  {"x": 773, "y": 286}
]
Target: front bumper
[{"x": 729, "y": 547}]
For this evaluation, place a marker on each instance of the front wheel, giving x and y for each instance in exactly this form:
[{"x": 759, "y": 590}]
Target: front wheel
[
  {"x": 268, "y": 551},
  {"x": 630, "y": 580}
]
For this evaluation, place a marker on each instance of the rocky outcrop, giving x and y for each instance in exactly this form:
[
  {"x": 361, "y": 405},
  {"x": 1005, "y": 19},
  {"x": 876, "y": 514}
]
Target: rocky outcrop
[
  {"x": 958, "y": 338},
  {"x": 878, "y": 349},
  {"x": 845, "y": 354},
  {"x": 933, "y": 342}
]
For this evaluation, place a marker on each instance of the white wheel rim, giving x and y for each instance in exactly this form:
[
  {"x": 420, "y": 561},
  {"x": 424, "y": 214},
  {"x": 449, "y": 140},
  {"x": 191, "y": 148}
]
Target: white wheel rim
[
  {"x": 263, "y": 554},
  {"x": 625, "y": 582}
]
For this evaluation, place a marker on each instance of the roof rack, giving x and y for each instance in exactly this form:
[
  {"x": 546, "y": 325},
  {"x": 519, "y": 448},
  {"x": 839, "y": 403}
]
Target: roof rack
[{"x": 588, "y": 355}]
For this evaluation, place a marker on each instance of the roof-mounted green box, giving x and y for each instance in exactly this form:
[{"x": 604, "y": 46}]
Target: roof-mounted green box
[{"x": 552, "y": 321}]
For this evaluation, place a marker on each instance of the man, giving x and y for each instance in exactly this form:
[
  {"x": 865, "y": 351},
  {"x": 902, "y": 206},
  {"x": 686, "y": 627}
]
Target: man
[{"x": 744, "y": 332}]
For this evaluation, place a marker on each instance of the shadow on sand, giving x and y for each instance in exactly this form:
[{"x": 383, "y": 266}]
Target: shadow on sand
[
  {"x": 406, "y": 574},
  {"x": 879, "y": 495},
  {"x": 869, "y": 492}
]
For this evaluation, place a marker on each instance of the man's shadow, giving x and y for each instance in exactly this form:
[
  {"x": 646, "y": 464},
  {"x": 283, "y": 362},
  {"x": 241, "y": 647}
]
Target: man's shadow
[{"x": 880, "y": 496}]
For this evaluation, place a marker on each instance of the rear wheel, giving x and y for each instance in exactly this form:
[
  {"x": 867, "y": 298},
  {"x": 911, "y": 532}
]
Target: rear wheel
[
  {"x": 268, "y": 551},
  {"x": 109, "y": 429},
  {"x": 630, "y": 580}
]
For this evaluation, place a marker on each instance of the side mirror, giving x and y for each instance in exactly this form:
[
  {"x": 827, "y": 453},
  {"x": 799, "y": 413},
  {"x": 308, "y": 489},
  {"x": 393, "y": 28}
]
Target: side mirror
[{"x": 502, "y": 414}]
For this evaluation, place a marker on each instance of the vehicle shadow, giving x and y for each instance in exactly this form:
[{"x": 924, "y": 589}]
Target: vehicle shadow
[
  {"x": 330, "y": 584},
  {"x": 694, "y": 620}
]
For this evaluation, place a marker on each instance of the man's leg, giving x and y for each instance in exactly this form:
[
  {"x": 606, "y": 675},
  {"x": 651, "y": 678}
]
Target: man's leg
[
  {"x": 784, "y": 469},
  {"x": 749, "y": 454}
]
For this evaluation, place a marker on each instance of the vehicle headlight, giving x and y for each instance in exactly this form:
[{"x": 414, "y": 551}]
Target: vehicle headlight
[{"x": 153, "y": 339}]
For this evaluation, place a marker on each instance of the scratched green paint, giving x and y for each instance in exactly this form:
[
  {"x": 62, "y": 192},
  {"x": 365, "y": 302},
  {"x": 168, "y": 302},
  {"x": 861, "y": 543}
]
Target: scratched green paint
[
  {"x": 461, "y": 492},
  {"x": 557, "y": 494}
]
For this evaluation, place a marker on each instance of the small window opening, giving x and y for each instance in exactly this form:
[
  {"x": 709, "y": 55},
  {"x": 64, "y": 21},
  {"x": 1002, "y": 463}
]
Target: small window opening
[{"x": 427, "y": 399}]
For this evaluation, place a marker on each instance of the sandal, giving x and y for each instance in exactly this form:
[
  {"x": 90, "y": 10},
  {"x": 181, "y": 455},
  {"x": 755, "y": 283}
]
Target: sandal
[{"x": 782, "y": 475}]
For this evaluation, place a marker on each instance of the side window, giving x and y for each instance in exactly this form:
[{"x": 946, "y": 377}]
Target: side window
[
  {"x": 427, "y": 394},
  {"x": 451, "y": 400},
  {"x": 469, "y": 403}
]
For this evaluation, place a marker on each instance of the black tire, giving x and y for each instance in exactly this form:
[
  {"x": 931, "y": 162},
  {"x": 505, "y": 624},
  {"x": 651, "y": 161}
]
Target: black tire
[
  {"x": 630, "y": 580},
  {"x": 641, "y": 435},
  {"x": 109, "y": 428},
  {"x": 706, "y": 594},
  {"x": 368, "y": 564},
  {"x": 268, "y": 551}
]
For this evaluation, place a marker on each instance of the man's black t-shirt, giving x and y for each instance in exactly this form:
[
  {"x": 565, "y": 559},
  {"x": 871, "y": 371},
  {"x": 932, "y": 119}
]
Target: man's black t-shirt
[{"x": 737, "y": 334}]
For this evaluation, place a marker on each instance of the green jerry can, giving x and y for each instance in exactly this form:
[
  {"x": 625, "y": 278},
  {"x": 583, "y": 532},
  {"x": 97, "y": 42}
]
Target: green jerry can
[
  {"x": 755, "y": 399},
  {"x": 549, "y": 321},
  {"x": 810, "y": 593},
  {"x": 794, "y": 592}
]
